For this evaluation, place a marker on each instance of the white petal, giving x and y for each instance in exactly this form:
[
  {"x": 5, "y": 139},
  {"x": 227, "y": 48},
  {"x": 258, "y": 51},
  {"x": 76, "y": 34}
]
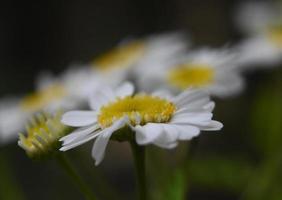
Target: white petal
[
  {"x": 213, "y": 126},
  {"x": 78, "y": 133},
  {"x": 81, "y": 141},
  {"x": 98, "y": 150},
  {"x": 201, "y": 119},
  {"x": 101, "y": 97},
  {"x": 125, "y": 89},
  {"x": 190, "y": 96},
  {"x": 168, "y": 138},
  {"x": 228, "y": 84},
  {"x": 148, "y": 133},
  {"x": 208, "y": 107},
  {"x": 171, "y": 132},
  {"x": 166, "y": 145},
  {"x": 187, "y": 132},
  {"x": 79, "y": 118}
]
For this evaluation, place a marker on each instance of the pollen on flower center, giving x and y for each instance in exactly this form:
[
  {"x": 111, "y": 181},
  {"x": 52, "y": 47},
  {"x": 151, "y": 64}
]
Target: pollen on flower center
[
  {"x": 140, "y": 109},
  {"x": 121, "y": 56},
  {"x": 190, "y": 75},
  {"x": 275, "y": 34},
  {"x": 42, "y": 98}
]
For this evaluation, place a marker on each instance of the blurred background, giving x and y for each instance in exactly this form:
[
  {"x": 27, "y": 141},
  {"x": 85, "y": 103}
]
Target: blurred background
[{"x": 241, "y": 162}]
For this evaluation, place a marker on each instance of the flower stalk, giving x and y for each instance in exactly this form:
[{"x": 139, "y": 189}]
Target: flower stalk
[
  {"x": 139, "y": 161},
  {"x": 77, "y": 180},
  {"x": 9, "y": 187}
]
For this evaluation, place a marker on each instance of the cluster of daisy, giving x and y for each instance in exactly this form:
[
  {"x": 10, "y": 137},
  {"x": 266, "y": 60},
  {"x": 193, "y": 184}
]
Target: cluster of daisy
[{"x": 157, "y": 87}]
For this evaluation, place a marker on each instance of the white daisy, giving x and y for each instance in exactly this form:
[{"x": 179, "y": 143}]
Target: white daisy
[
  {"x": 136, "y": 53},
  {"x": 65, "y": 92},
  {"x": 253, "y": 17},
  {"x": 15, "y": 113},
  {"x": 258, "y": 52},
  {"x": 155, "y": 118},
  {"x": 210, "y": 69},
  {"x": 262, "y": 21}
]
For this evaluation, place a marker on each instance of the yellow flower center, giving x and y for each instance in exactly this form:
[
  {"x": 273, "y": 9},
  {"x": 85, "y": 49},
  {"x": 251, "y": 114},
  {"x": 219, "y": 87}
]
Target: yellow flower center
[
  {"x": 275, "y": 35},
  {"x": 42, "y": 98},
  {"x": 43, "y": 134},
  {"x": 122, "y": 56},
  {"x": 140, "y": 109},
  {"x": 190, "y": 75}
]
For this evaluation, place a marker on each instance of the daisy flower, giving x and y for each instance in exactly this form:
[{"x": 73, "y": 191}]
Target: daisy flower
[
  {"x": 42, "y": 135},
  {"x": 254, "y": 17},
  {"x": 258, "y": 51},
  {"x": 156, "y": 118},
  {"x": 140, "y": 52},
  {"x": 209, "y": 69},
  {"x": 68, "y": 91},
  {"x": 262, "y": 22},
  {"x": 17, "y": 111}
]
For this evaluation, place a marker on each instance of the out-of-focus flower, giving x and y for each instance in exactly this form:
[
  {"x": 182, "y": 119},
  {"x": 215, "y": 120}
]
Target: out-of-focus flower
[
  {"x": 68, "y": 91},
  {"x": 262, "y": 22},
  {"x": 156, "y": 118},
  {"x": 258, "y": 51},
  {"x": 82, "y": 81},
  {"x": 209, "y": 69},
  {"x": 43, "y": 134},
  {"x": 253, "y": 17},
  {"x": 132, "y": 54},
  {"x": 14, "y": 114},
  {"x": 11, "y": 121}
]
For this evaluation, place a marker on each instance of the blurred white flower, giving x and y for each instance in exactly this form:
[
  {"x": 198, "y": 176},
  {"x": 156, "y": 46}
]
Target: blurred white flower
[
  {"x": 258, "y": 51},
  {"x": 156, "y": 118},
  {"x": 15, "y": 113},
  {"x": 11, "y": 120},
  {"x": 82, "y": 81},
  {"x": 262, "y": 22},
  {"x": 139, "y": 53},
  {"x": 209, "y": 69},
  {"x": 68, "y": 91},
  {"x": 253, "y": 17}
]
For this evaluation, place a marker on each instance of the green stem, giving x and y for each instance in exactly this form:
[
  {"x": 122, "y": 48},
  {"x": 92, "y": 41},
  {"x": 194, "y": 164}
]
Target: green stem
[
  {"x": 68, "y": 168},
  {"x": 185, "y": 165},
  {"x": 139, "y": 161},
  {"x": 106, "y": 190},
  {"x": 9, "y": 187}
]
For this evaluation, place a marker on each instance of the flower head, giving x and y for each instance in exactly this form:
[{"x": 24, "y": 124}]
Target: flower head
[
  {"x": 253, "y": 17},
  {"x": 68, "y": 91},
  {"x": 156, "y": 118},
  {"x": 258, "y": 51},
  {"x": 42, "y": 135},
  {"x": 262, "y": 21},
  {"x": 131, "y": 55},
  {"x": 210, "y": 69}
]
